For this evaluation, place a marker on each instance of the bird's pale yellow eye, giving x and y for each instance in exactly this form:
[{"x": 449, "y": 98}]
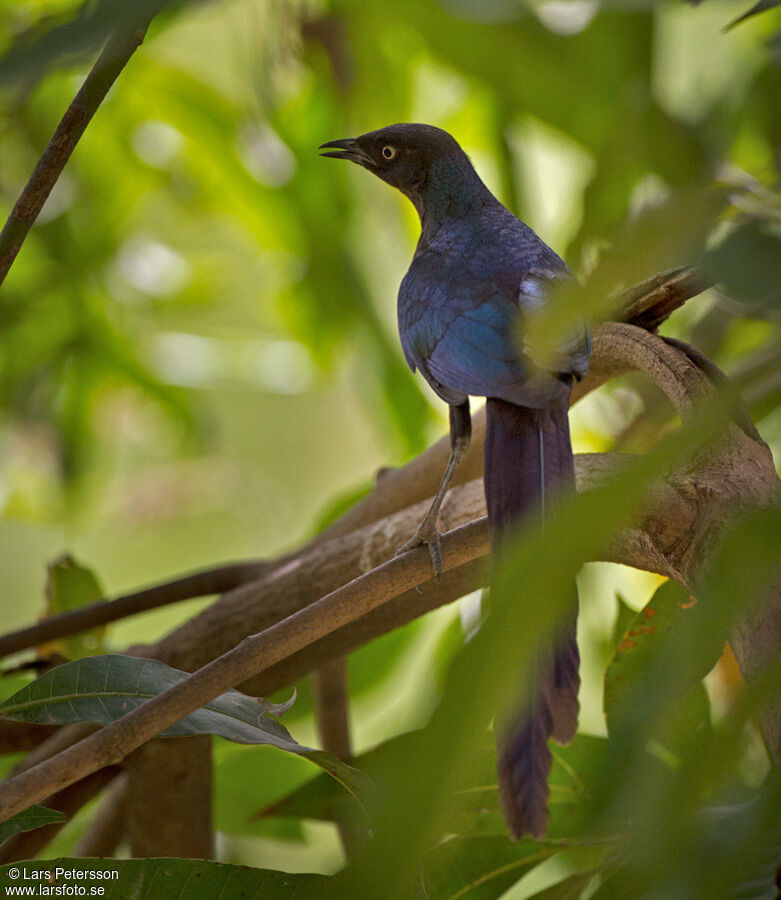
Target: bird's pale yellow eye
[{"x": 389, "y": 152}]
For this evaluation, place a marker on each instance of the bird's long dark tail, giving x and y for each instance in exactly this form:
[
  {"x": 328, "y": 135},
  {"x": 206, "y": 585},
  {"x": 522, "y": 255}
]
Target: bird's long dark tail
[{"x": 528, "y": 460}]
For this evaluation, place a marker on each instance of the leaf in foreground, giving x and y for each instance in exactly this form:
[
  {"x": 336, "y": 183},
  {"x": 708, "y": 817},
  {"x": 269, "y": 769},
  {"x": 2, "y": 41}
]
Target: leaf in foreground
[
  {"x": 473, "y": 808},
  {"x": 636, "y": 650},
  {"x": 102, "y": 689},
  {"x": 479, "y": 868},
  {"x": 28, "y": 820}
]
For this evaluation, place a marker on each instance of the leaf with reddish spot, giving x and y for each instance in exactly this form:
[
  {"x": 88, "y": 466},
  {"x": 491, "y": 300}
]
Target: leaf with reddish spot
[{"x": 635, "y": 653}]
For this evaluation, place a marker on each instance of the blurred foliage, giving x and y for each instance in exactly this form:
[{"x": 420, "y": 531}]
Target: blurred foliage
[
  {"x": 199, "y": 361},
  {"x": 68, "y": 587}
]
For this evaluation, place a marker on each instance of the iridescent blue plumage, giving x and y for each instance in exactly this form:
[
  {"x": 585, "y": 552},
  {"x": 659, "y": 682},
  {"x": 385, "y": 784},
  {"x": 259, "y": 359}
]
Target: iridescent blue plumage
[{"x": 462, "y": 302}]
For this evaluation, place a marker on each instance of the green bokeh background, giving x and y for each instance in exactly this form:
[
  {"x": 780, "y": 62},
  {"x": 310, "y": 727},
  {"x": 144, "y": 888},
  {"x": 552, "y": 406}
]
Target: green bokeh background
[{"x": 198, "y": 356}]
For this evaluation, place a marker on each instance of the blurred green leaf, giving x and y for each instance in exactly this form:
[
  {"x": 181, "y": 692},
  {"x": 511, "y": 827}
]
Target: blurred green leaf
[
  {"x": 661, "y": 237},
  {"x": 624, "y": 617},
  {"x": 248, "y": 778},
  {"x": 70, "y": 586},
  {"x": 64, "y": 38},
  {"x": 665, "y": 803},
  {"x": 746, "y": 263},
  {"x": 540, "y": 565},
  {"x": 569, "y": 889},
  {"x": 478, "y": 868},
  {"x": 473, "y": 806},
  {"x": 28, "y": 820},
  {"x": 637, "y": 649},
  {"x": 759, "y": 7}
]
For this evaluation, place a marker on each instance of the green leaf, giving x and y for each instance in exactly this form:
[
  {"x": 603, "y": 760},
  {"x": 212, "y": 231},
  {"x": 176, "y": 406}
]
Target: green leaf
[
  {"x": 532, "y": 584},
  {"x": 637, "y": 649},
  {"x": 625, "y": 616},
  {"x": 478, "y": 868},
  {"x": 569, "y": 889},
  {"x": 70, "y": 586},
  {"x": 747, "y": 264},
  {"x": 58, "y": 39},
  {"x": 166, "y": 879},
  {"x": 103, "y": 688},
  {"x": 659, "y": 238},
  {"x": 29, "y": 819},
  {"x": 247, "y": 778}
]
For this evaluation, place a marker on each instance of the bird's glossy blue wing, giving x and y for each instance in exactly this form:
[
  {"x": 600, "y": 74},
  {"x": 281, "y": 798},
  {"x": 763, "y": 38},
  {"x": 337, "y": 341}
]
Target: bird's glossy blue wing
[{"x": 461, "y": 323}]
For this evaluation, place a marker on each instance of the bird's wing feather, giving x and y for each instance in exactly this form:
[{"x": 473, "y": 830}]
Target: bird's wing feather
[{"x": 464, "y": 331}]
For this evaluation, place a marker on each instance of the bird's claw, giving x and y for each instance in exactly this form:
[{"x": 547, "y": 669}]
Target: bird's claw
[{"x": 428, "y": 536}]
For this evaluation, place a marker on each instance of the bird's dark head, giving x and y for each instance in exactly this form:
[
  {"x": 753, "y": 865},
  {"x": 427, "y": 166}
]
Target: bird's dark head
[{"x": 422, "y": 161}]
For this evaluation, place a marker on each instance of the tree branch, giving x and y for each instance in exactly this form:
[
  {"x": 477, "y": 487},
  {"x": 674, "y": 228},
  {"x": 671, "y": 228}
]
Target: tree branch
[
  {"x": 650, "y": 302},
  {"x": 197, "y": 584},
  {"x": 332, "y": 714},
  {"x": 332, "y": 708},
  {"x": 21, "y": 737},
  {"x": 326, "y": 564},
  {"x": 118, "y": 50},
  {"x": 176, "y": 776},
  {"x": 111, "y": 744},
  {"x": 70, "y": 800}
]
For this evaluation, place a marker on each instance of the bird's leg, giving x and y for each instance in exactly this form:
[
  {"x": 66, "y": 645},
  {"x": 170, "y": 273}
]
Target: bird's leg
[{"x": 460, "y": 434}]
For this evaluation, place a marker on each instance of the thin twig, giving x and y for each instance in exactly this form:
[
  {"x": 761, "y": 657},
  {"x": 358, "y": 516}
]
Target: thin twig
[
  {"x": 118, "y": 50},
  {"x": 196, "y": 584}
]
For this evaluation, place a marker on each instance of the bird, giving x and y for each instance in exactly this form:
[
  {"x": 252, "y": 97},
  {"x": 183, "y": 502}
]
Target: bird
[{"x": 478, "y": 273}]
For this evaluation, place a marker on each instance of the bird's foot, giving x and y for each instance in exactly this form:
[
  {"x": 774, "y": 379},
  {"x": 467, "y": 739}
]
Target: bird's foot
[{"x": 428, "y": 536}]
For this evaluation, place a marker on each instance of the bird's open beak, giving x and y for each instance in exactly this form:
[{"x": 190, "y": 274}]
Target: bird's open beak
[{"x": 347, "y": 148}]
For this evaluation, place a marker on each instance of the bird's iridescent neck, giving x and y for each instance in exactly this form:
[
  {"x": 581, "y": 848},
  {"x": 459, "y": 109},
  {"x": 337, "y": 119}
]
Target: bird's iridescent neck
[{"x": 452, "y": 190}]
